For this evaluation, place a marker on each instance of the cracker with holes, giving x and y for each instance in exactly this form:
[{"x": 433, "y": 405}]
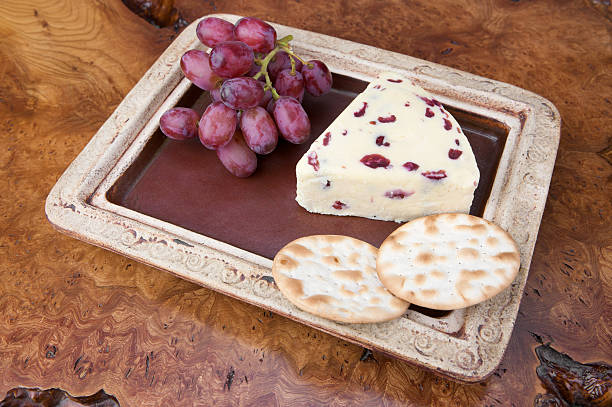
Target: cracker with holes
[
  {"x": 335, "y": 277},
  {"x": 448, "y": 261}
]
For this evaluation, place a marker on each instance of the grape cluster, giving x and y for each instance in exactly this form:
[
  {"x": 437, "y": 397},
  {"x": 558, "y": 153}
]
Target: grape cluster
[{"x": 256, "y": 83}]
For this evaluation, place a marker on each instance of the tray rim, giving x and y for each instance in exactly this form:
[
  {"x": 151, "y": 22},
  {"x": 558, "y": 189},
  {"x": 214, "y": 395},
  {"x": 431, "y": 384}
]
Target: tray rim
[{"x": 77, "y": 204}]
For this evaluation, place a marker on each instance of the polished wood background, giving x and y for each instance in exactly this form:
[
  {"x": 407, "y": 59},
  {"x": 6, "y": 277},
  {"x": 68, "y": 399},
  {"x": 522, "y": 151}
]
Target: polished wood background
[{"x": 81, "y": 318}]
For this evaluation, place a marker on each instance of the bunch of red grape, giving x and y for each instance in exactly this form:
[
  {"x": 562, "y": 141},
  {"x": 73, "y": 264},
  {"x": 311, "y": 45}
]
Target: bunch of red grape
[{"x": 257, "y": 84}]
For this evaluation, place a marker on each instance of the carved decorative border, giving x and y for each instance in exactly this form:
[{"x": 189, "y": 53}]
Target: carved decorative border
[{"x": 77, "y": 204}]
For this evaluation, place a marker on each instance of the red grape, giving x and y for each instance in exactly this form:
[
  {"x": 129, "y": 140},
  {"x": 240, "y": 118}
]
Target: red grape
[
  {"x": 196, "y": 67},
  {"x": 237, "y": 157},
  {"x": 298, "y": 64},
  {"x": 279, "y": 62},
  {"x": 242, "y": 93},
  {"x": 179, "y": 123},
  {"x": 213, "y": 30},
  {"x": 291, "y": 119},
  {"x": 215, "y": 95},
  {"x": 259, "y": 130},
  {"x": 230, "y": 59},
  {"x": 217, "y": 125},
  {"x": 254, "y": 71},
  {"x": 290, "y": 85},
  {"x": 266, "y": 98},
  {"x": 270, "y": 107},
  {"x": 256, "y": 33},
  {"x": 318, "y": 79}
]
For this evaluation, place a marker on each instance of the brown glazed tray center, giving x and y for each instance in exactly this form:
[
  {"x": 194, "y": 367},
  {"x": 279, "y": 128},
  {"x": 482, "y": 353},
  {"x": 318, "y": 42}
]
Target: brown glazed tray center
[{"x": 185, "y": 184}]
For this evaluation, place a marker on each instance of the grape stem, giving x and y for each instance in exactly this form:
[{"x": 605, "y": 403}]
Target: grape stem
[
  {"x": 285, "y": 40},
  {"x": 281, "y": 45},
  {"x": 264, "y": 71},
  {"x": 292, "y": 54},
  {"x": 292, "y": 60}
]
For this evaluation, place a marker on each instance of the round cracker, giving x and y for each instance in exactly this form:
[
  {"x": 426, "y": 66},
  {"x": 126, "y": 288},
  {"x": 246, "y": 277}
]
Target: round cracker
[
  {"x": 448, "y": 261},
  {"x": 335, "y": 277}
]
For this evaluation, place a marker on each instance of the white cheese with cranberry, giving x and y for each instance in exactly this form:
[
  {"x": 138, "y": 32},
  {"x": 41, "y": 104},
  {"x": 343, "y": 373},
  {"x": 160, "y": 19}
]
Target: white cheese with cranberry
[{"x": 394, "y": 153}]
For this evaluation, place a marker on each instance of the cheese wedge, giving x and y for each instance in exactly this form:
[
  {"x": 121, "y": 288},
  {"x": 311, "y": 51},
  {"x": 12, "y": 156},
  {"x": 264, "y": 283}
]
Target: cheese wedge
[{"x": 394, "y": 153}]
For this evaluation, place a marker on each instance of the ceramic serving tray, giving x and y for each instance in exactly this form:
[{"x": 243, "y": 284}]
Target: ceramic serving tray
[{"x": 172, "y": 205}]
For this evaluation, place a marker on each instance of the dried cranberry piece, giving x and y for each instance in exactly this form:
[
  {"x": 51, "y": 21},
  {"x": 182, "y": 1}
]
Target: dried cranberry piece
[
  {"x": 345, "y": 132},
  {"x": 435, "y": 175},
  {"x": 326, "y": 138},
  {"x": 327, "y": 184},
  {"x": 395, "y": 80},
  {"x": 407, "y": 104},
  {"x": 339, "y": 205},
  {"x": 427, "y": 100},
  {"x": 380, "y": 141},
  {"x": 375, "y": 161},
  {"x": 447, "y": 124},
  {"x": 454, "y": 154},
  {"x": 361, "y": 111},
  {"x": 429, "y": 112},
  {"x": 458, "y": 130},
  {"x": 373, "y": 122},
  {"x": 398, "y": 194},
  {"x": 457, "y": 141},
  {"x": 388, "y": 119},
  {"x": 410, "y": 166},
  {"x": 313, "y": 160},
  {"x": 431, "y": 102}
]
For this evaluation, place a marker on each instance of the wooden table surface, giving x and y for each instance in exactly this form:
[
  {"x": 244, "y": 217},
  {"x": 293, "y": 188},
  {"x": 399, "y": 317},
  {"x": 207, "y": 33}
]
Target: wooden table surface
[{"x": 81, "y": 318}]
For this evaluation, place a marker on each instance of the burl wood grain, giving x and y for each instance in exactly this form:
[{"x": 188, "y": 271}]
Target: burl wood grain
[
  {"x": 160, "y": 13},
  {"x": 35, "y": 397},
  {"x": 80, "y": 318},
  {"x": 573, "y": 382}
]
